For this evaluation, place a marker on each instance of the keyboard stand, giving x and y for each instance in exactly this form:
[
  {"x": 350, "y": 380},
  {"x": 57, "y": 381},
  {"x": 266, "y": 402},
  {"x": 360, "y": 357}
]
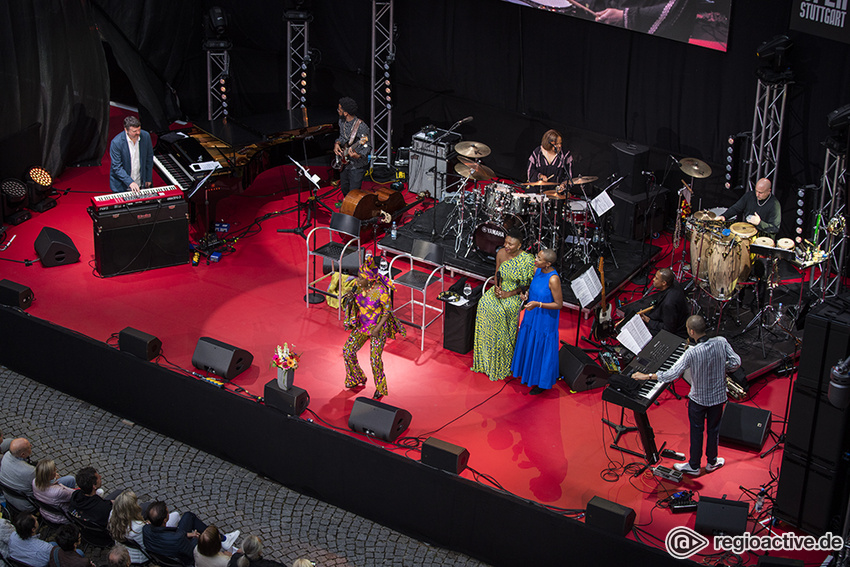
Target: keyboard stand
[
  {"x": 644, "y": 429},
  {"x": 621, "y": 430}
]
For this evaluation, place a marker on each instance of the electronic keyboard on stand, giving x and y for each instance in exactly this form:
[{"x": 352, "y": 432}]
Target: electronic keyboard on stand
[
  {"x": 660, "y": 353},
  {"x": 111, "y": 201}
]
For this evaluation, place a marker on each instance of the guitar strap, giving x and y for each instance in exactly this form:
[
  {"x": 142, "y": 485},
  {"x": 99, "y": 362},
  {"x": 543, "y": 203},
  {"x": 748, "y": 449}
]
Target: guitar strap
[{"x": 354, "y": 129}]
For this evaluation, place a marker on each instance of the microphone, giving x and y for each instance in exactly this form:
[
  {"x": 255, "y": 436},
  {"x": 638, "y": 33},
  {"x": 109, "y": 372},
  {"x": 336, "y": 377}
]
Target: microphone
[
  {"x": 839, "y": 384},
  {"x": 464, "y": 121},
  {"x": 677, "y": 162},
  {"x": 647, "y": 173}
]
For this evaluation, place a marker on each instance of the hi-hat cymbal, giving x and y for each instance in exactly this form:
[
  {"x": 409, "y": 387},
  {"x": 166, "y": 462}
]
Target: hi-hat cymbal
[
  {"x": 475, "y": 150},
  {"x": 477, "y": 171},
  {"x": 584, "y": 179},
  {"x": 539, "y": 183},
  {"x": 695, "y": 167},
  {"x": 555, "y": 194}
]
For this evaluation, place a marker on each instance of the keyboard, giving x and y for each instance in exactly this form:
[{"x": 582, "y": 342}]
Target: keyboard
[{"x": 128, "y": 198}]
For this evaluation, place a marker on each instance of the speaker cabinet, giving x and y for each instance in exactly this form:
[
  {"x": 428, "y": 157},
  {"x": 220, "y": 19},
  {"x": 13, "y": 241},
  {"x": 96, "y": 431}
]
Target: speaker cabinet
[
  {"x": 716, "y": 516},
  {"x": 142, "y": 238},
  {"x": 810, "y": 496},
  {"x": 139, "y": 344},
  {"x": 826, "y": 341},
  {"x": 631, "y": 160},
  {"x": 745, "y": 426},
  {"x": 55, "y": 248},
  {"x": 376, "y": 419},
  {"x": 430, "y": 159},
  {"x": 15, "y": 294},
  {"x": 443, "y": 455},
  {"x": 636, "y": 217},
  {"x": 579, "y": 370},
  {"x": 221, "y": 358},
  {"x": 291, "y": 402},
  {"x": 816, "y": 428},
  {"x": 609, "y": 516}
]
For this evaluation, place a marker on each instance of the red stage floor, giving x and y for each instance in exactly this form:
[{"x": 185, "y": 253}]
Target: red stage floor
[{"x": 551, "y": 448}]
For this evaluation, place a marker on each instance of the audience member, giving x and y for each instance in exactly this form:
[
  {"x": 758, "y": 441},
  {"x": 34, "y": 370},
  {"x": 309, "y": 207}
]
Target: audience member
[
  {"x": 176, "y": 542},
  {"x": 119, "y": 556},
  {"x": 6, "y": 531},
  {"x": 25, "y": 546},
  {"x": 4, "y": 444},
  {"x": 126, "y": 522},
  {"x": 251, "y": 555},
  {"x": 66, "y": 554},
  {"x": 86, "y": 502},
  {"x": 47, "y": 489},
  {"x": 16, "y": 472},
  {"x": 209, "y": 552}
]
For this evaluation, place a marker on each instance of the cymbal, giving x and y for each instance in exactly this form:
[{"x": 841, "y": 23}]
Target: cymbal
[
  {"x": 554, "y": 194},
  {"x": 695, "y": 167},
  {"x": 539, "y": 183},
  {"x": 478, "y": 171},
  {"x": 472, "y": 149},
  {"x": 584, "y": 179}
]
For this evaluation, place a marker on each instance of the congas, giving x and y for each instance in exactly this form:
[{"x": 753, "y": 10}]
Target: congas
[
  {"x": 702, "y": 224},
  {"x": 745, "y": 233},
  {"x": 490, "y": 236},
  {"x": 785, "y": 244},
  {"x": 765, "y": 241},
  {"x": 725, "y": 257}
]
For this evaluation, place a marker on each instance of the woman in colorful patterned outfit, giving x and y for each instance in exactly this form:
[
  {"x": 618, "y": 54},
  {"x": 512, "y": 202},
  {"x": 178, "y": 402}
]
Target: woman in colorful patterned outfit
[
  {"x": 498, "y": 310},
  {"x": 536, "y": 352},
  {"x": 370, "y": 317}
]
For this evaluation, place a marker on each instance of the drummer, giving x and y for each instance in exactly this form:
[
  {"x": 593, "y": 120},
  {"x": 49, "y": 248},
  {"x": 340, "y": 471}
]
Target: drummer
[
  {"x": 759, "y": 208},
  {"x": 548, "y": 162}
]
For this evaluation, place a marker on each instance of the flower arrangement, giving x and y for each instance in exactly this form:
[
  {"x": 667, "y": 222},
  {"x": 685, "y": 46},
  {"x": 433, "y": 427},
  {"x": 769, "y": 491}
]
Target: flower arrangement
[{"x": 285, "y": 358}]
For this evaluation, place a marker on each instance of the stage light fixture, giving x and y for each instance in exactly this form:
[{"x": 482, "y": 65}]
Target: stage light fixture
[
  {"x": 297, "y": 16},
  {"x": 217, "y": 20},
  {"x": 14, "y": 201},
  {"x": 39, "y": 186}
]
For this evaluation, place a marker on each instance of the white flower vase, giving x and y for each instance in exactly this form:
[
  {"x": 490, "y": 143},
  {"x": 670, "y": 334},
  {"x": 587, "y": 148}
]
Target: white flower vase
[{"x": 285, "y": 377}]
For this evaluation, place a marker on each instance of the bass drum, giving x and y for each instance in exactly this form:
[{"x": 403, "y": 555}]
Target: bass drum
[{"x": 490, "y": 236}]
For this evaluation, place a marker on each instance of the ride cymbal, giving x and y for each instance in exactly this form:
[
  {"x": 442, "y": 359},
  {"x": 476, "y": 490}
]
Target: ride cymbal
[
  {"x": 475, "y": 150},
  {"x": 539, "y": 183},
  {"x": 695, "y": 167},
  {"x": 555, "y": 194},
  {"x": 583, "y": 179},
  {"x": 478, "y": 171}
]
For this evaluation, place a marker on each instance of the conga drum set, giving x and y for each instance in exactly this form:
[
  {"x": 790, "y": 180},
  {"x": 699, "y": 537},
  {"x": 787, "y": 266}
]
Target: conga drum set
[{"x": 720, "y": 256}]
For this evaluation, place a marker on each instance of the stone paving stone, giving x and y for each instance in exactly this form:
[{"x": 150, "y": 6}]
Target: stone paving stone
[{"x": 291, "y": 525}]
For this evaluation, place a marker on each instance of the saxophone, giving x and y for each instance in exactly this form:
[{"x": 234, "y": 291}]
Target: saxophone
[{"x": 734, "y": 390}]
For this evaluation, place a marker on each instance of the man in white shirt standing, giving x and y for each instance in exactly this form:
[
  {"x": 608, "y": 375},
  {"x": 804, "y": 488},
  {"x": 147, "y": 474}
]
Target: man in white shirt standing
[{"x": 131, "y": 153}]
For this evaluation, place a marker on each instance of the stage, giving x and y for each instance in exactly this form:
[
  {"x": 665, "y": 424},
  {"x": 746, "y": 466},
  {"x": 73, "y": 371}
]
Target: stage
[{"x": 535, "y": 461}]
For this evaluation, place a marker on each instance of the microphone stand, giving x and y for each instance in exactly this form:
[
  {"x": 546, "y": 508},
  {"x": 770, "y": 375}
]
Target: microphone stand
[{"x": 434, "y": 213}]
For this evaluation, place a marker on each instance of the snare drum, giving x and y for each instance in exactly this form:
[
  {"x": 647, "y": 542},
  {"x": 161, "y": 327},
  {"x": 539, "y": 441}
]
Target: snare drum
[
  {"x": 490, "y": 236},
  {"x": 577, "y": 211}
]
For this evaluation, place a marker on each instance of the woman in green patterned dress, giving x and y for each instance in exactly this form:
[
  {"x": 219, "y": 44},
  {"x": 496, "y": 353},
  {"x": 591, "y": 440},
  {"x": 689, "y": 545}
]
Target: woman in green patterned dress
[{"x": 498, "y": 311}]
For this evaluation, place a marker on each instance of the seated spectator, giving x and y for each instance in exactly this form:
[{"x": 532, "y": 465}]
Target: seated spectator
[
  {"x": 25, "y": 546},
  {"x": 17, "y": 473},
  {"x": 127, "y": 520},
  {"x": 251, "y": 555},
  {"x": 66, "y": 554},
  {"x": 176, "y": 542},
  {"x": 6, "y": 531},
  {"x": 46, "y": 488},
  {"x": 119, "y": 556},
  {"x": 86, "y": 503},
  {"x": 4, "y": 444},
  {"x": 209, "y": 552}
]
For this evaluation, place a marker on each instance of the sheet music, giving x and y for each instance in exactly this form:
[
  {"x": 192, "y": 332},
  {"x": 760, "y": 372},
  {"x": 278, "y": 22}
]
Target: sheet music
[
  {"x": 586, "y": 287},
  {"x": 602, "y": 203},
  {"x": 634, "y": 334}
]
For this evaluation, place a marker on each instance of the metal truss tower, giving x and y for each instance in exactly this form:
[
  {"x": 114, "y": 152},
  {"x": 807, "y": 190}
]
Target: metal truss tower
[
  {"x": 383, "y": 56},
  {"x": 830, "y": 235},
  {"x": 297, "y": 57},
  {"x": 218, "y": 78},
  {"x": 768, "y": 119}
]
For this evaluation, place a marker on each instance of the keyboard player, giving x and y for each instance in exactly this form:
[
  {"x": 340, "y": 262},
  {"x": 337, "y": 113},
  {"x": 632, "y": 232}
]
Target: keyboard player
[
  {"x": 709, "y": 360},
  {"x": 131, "y": 154}
]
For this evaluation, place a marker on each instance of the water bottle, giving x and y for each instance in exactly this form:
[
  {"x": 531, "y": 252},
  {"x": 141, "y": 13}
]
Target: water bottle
[
  {"x": 759, "y": 501},
  {"x": 394, "y": 231}
]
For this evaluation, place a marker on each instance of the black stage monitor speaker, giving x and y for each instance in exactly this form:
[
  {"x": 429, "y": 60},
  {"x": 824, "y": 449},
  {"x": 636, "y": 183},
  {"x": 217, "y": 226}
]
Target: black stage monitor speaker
[
  {"x": 445, "y": 456},
  {"x": 631, "y": 160},
  {"x": 291, "y": 402},
  {"x": 15, "y": 294},
  {"x": 745, "y": 425},
  {"x": 716, "y": 516},
  {"x": 609, "y": 516},
  {"x": 221, "y": 358},
  {"x": 579, "y": 370},
  {"x": 139, "y": 343},
  {"x": 55, "y": 248},
  {"x": 373, "y": 418},
  {"x": 639, "y": 216}
]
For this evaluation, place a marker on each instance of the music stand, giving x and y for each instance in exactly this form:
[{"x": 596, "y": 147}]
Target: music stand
[{"x": 310, "y": 205}]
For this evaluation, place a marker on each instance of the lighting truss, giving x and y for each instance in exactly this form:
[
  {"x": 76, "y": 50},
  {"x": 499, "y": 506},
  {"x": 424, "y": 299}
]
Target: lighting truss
[{"x": 383, "y": 56}]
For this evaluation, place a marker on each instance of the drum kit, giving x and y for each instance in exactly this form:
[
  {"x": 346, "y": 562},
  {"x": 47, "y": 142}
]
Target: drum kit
[{"x": 486, "y": 210}]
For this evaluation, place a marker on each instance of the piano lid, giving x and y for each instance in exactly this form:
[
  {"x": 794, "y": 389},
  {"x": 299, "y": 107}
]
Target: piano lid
[{"x": 268, "y": 127}]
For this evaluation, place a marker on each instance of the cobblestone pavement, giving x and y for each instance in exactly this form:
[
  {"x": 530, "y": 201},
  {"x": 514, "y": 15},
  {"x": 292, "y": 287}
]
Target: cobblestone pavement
[{"x": 76, "y": 434}]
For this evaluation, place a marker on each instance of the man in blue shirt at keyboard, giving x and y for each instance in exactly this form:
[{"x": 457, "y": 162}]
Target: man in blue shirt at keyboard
[{"x": 131, "y": 153}]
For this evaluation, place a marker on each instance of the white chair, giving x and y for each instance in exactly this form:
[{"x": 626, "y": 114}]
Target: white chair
[
  {"x": 419, "y": 282},
  {"x": 341, "y": 226}
]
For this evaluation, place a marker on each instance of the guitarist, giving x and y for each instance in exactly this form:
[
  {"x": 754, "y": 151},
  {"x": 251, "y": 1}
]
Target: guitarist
[
  {"x": 671, "y": 306},
  {"x": 352, "y": 147}
]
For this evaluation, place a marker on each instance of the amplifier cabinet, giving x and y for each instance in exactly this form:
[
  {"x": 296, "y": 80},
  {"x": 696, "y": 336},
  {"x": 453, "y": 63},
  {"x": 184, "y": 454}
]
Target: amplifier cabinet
[
  {"x": 141, "y": 237},
  {"x": 431, "y": 153}
]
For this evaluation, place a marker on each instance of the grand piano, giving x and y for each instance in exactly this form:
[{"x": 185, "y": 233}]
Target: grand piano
[{"x": 209, "y": 161}]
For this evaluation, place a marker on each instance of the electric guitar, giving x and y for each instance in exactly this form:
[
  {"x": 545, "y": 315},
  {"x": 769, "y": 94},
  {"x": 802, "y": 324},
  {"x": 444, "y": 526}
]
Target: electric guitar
[
  {"x": 603, "y": 323},
  {"x": 340, "y": 161}
]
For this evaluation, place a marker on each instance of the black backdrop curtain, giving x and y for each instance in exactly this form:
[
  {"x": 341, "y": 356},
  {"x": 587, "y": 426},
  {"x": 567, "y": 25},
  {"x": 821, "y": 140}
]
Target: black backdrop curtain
[{"x": 53, "y": 73}]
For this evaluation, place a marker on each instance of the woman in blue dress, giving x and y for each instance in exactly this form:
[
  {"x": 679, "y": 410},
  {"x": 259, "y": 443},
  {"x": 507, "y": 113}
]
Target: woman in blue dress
[{"x": 536, "y": 353}]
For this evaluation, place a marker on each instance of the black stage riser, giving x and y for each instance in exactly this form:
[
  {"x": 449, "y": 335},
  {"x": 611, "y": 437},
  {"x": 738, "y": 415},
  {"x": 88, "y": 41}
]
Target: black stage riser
[{"x": 426, "y": 503}]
